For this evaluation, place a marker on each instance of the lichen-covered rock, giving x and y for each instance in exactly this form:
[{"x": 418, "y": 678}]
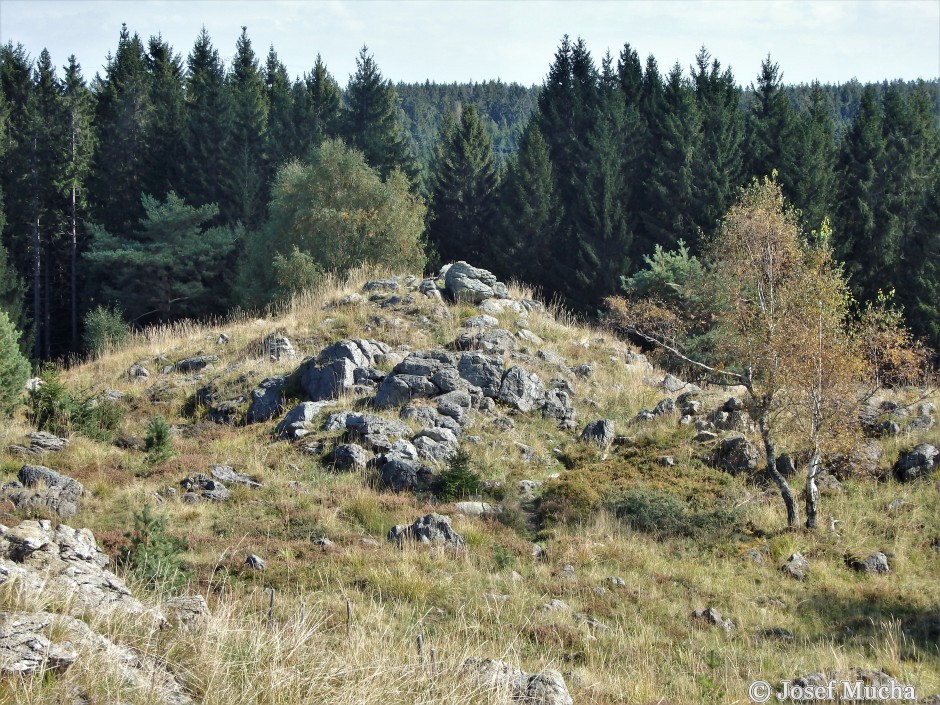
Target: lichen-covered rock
[
  {"x": 402, "y": 474},
  {"x": 359, "y": 351},
  {"x": 796, "y": 567},
  {"x": 872, "y": 564},
  {"x": 194, "y": 364},
  {"x": 226, "y": 473},
  {"x": 33, "y": 475},
  {"x": 466, "y": 283},
  {"x": 187, "y": 611},
  {"x": 296, "y": 423},
  {"x": 483, "y": 371},
  {"x": 329, "y": 380},
  {"x": 348, "y": 456},
  {"x": 431, "y": 528},
  {"x": 67, "y": 564},
  {"x": 521, "y": 389},
  {"x": 544, "y": 688},
  {"x": 494, "y": 341},
  {"x": 205, "y": 487}
]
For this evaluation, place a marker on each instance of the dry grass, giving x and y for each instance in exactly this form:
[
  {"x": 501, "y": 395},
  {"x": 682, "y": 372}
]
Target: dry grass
[{"x": 468, "y": 603}]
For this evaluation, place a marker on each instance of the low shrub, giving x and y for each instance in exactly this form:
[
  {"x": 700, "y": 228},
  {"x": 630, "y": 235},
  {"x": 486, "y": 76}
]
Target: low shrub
[
  {"x": 54, "y": 408},
  {"x": 665, "y": 515},
  {"x": 153, "y": 556},
  {"x": 105, "y": 330}
]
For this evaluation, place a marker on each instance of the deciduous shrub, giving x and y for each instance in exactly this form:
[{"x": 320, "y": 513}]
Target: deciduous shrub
[{"x": 14, "y": 368}]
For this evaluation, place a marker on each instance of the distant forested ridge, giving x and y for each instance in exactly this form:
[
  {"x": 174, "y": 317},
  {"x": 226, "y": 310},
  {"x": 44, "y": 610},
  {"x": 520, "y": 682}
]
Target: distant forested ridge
[{"x": 144, "y": 191}]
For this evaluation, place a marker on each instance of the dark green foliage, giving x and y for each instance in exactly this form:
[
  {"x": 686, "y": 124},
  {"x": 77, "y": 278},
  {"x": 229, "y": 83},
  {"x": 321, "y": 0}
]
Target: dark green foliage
[
  {"x": 167, "y": 125},
  {"x": 667, "y": 516},
  {"x": 528, "y": 212},
  {"x": 159, "y": 441},
  {"x": 372, "y": 122},
  {"x": 317, "y": 109},
  {"x": 208, "y": 125},
  {"x": 463, "y": 194},
  {"x": 12, "y": 292},
  {"x": 53, "y": 407},
  {"x": 813, "y": 182},
  {"x": 14, "y": 368},
  {"x": 458, "y": 480},
  {"x": 280, "y": 132},
  {"x": 669, "y": 276},
  {"x": 174, "y": 252},
  {"x": 770, "y": 129},
  {"x": 154, "y": 556},
  {"x": 244, "y": 177},
  {"x": 105, "y": 330}
]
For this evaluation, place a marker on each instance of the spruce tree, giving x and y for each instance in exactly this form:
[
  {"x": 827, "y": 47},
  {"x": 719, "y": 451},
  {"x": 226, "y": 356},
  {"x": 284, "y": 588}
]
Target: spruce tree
[
  {"x": 318, "y": 104},
  {"x": 371, "y": 121},
  {"x": 770, "y": 129},
  {"x": 166, "y": 130},
  {"x": 463, "y": 194},
  {"x": 281, "y": 133},
  {"x": 79, "y": 109},
  {"x": 244, "y": 184},
  {"x": 814, "y": 177},
  {"x": 718, "y": 165},
  {"x": 208, "y": 124},
  {"x": 528, "y": 212},
  {"x": 676, "y": 136},
  {"x": 860, "y": 243},
  {"x": 122, "y": 117},
  {"x": 921, "y": 293}
]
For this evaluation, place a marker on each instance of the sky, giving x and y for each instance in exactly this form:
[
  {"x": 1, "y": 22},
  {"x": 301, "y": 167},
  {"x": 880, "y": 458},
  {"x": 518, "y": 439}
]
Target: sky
[{"x": 833, "y": 41}]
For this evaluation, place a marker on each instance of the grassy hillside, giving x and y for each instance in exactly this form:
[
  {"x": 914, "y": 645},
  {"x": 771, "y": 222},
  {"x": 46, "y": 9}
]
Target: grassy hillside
[{"x": 632, "y": 544}]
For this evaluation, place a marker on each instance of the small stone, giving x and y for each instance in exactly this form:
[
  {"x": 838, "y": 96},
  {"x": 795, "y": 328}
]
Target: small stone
[
  {"x": 796, "y": 566},
  {"x": 254, "y": 562}
]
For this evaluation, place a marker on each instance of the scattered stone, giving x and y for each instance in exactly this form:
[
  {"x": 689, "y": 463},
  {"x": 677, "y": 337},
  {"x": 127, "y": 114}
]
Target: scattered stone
[
  {"x": 785, "y": 465},
  {"x": 674, "y": 384},
  {"x": 482, "y": 321},
  {"x": 475, "y": 509},
  {"x": 713, "y": 617},
  {"x": 528, "y": 336},
  {"x": 254, "y": 562},
  {"x": 226, "y": 473},
  {"x": 194, "y": 364},
  {"x": 736, "y": 455},
  {"x": 599, "y": 432},
  {"x": 567, "y": 572},
  {"x": 40, "y": 443},
  {"x": 205, "y": 487},
  {"x": 778, "y": 634},
  {"x": 348, "y": 456},
  {"x": 381, "y": 285},
  {"x": 279, "y": 347},
  {"x": 545, "y": 688},
  {"x": 138, "y": 373},
  {"x": 616, "y": 582},
  {"x": 705, "y": 437},
  {"x": 186, "y": 611},
  {"x": 41, "y": 488},
  {"x": 266, "y": 400},
  {"x": 872, "y": 564},
  {"x": 521, "y": 389},
  {"x": 593, "y": 623},
  {"x": 297, "y": 421},
  {"x": 583, "y": 371},
  {"x": 431, "y": 528},
  {"x": 665, "y": 407},
  {"x": 556, "y": 605},
  {"x": 755, "y": 556},
  {"x": 920, "y": 462},
  {"x": 796, "y": 566}
]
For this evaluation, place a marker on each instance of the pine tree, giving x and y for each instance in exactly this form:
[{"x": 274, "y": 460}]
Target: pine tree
[
  {"x": 208, "y": 124},
  {"x": 463, "y": 194},
  {"x": 528, "y": 212},
  {"x": 770, "y": 128},
  {"x": 79, "y": 109},
  {"x": 166, "y": 130},
  {"x": 921, "y": 294},
  {"x": 245, "y": 193},
  {"x": 372, "y": 120},
  {"x": 281, "y": 133},
  {"x": 814, "y": 178}
]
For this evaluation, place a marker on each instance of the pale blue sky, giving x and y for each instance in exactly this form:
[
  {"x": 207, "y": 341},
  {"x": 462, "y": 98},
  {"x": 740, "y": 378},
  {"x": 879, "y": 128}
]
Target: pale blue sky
[{"x": 832, "y": 40}]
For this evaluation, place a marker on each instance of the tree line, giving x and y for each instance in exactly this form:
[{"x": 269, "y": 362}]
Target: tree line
[{"x": 158, "y": 185}]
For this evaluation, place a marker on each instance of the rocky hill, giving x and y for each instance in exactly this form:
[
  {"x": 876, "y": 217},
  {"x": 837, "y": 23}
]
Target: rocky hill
[{"x": 398, "y": 490}]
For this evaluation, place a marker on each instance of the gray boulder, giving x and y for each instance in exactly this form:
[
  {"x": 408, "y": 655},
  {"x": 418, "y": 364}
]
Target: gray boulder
[
  {"x": 544, "y": 688},
  {"x": 297, "y": 421},
  {"x": 376, "y": 431},
  {"x": 521, "y": 389},
  {"x": 266, "y": 400},
  {"x": 399, "y": 389},
  {"x": 736, "y": 455},
  {"x": 665, "y": 407},
  {"x": 279, "y": 347},
  {"x": 194, "y": 364},
  {"x": 455, "y": 405},
  {"x": 45, "y": 489},
  {"x": 872, "y": 564},
  {"x": 186, "y": 611},
  {"x": 321, "y": 382},
  {"x": 494, "y": 341},
  {"x": 599, "y": 432},
  {"x": 360, "y": 352},
  {"x": 483, "y": 371},
  {"x": 348, "y": 456},
  {"x": 466, "y": 283},
  {"x": 226, "y": 473},
  {"x": 557, "y": 406},
  {"x": 920, "y": 462},
  {"x": 205, "y": 487},
  {"x": 431, "y": 528},
  {"x": 404, "y": 475},
  {"x": 33, "y": 475},
  {"x": 713, "y": 617},
  {"x": 40, "y": 443},
  {"x": 481, "y": 321},
  {"x": 796, "y": 567}
]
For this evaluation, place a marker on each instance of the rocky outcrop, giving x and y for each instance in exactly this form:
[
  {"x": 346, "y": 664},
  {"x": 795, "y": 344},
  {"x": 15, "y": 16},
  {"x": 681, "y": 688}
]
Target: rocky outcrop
[
  {"x": 40, "y": 443},
  {"x": 466, "y": 283},
  {"x": 199, "y": 486},
  {"x": 431, "y": 528},
  {"x": 296, "y": 424},
  {"x": 67, "y": 564},
  {"x": 266, "y": 400},
  {"x": 521, "y": 389},
  {"x": 226, "y": 473},
  {"x": 736, "y": 455},
  {"x": 544, "y": 688},
  {"x": 348, "y": 456},
  {"x": 41, "y": 488},
  {"x": 599, "y": 433}
]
